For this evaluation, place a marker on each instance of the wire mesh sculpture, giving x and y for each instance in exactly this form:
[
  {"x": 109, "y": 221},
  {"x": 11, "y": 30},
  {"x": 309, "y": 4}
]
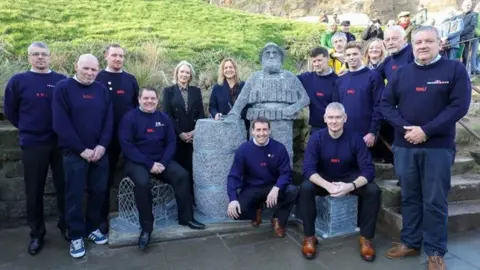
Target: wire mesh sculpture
[{"x": 164, "y": 204}]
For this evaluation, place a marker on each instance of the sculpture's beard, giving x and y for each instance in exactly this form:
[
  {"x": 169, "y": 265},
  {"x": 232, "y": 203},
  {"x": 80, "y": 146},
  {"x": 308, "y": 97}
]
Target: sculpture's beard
[{"x": 272, "y": 66}]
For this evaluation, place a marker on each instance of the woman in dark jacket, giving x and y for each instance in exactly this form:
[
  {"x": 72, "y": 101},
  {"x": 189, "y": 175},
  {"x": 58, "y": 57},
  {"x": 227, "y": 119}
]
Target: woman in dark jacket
[
  {"x": 226, "y": 91},
  {"x": 184, "y": 104}
]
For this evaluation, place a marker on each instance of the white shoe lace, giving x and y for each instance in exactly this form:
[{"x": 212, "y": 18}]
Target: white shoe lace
[
  {"x": 97, "y": 233},
  {"x": 77, "y": 244}
]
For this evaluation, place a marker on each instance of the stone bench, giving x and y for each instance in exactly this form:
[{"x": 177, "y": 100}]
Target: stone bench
[
  {"x": 335, "y": 216},
  {"x": 164, "y": 205}
]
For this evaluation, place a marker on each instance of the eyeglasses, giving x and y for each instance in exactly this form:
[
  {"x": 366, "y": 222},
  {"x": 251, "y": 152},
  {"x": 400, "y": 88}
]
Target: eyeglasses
[{"x": 44, "y": 54}]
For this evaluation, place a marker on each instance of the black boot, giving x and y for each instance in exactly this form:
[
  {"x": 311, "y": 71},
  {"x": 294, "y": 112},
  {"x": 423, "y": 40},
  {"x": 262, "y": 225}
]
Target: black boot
[
  {"x": 36, "y": 244},
  {"x": 144, "y": 240}
]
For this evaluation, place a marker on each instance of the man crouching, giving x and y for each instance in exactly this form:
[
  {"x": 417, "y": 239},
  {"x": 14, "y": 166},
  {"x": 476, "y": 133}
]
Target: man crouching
[
  {"x": 261, "y": 172},
  {"x": 336, "y": 163}
]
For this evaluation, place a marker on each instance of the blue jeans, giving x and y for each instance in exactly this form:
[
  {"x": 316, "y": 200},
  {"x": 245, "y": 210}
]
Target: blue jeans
[
  {"x": 474, "y": 55},
  {"x": 80, "y": 174},
  {"x": 424, "y": 175},
  {"x": 452, "y": 53}
]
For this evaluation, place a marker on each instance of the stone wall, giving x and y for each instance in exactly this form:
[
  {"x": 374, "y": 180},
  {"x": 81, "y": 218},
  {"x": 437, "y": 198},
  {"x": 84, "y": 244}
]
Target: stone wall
[{"x": 383, "y": 9}]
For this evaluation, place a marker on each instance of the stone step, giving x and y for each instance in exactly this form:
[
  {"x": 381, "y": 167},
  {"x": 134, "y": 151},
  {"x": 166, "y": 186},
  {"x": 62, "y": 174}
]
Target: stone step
[
  {"x": 8, "y": 135},
  {"x": 462, "y": 216},
  {"x": 462, "y": 165},
  {"x": 464, "y": 187}
]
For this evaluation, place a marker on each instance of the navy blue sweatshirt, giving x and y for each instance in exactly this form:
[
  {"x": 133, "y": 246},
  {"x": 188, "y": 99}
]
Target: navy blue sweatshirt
[
  {"x": 82, "y": 115},
  {"x": 28, "y": 106},
  {"x": 123, "y": 88},
  {"x": 393, "y": 62},
  {"x": 147, "y": 138},
  {"x": 221, "y": 99},
  {"x": 360, "y": 93},
  {"x": 433, "y": 97},
  {"x": 343, "y": 159},
  {"x": 320, "y": 90},
  {"x": 259, "y": 166}
]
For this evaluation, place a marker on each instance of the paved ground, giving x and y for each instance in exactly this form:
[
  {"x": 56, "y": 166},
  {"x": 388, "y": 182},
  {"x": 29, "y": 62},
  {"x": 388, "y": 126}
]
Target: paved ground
[{"x": 258, "y": 250}]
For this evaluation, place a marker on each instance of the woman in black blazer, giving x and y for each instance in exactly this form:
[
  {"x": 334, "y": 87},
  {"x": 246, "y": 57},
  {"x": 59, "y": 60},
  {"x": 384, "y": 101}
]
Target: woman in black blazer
[
  {"x": 226, "y": 91},
  {"x": 183, "y": 103}
]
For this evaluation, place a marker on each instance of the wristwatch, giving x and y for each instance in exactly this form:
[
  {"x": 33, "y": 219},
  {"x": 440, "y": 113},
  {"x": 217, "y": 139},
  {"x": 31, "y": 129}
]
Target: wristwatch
[{"x": 354, "y": 186}]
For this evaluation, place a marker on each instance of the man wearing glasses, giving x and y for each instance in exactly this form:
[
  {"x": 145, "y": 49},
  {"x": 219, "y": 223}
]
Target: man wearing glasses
[{"x": 27, "y": 105}]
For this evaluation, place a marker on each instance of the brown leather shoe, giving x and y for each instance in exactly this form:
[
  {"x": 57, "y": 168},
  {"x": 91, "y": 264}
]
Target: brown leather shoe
[
  {"x": 436, "y": 263},
  {"x": 277, "y": 228},
  {"x": 309, "y": 248},
  {"x": 258, "y": 218},
  {"x": 367, "y": 251},
  {"x": 400, "y": 250}
]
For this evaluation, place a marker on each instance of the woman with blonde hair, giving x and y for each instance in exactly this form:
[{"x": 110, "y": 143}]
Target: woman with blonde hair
[
  {"x": 183, "y": 103},
  {"x": 375, "y": 53}
]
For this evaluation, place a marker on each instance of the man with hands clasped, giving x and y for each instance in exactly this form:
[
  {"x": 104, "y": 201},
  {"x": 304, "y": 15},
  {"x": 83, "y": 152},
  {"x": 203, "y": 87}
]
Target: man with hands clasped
[
  {"x": 337, "y": 162},
  {"x": 147, "y": 138},
  {"x": 261, "y": 172}
]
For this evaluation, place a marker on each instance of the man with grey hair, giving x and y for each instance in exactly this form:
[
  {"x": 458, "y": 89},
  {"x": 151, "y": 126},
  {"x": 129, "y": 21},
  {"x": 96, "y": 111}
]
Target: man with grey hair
[
  {"x": 450, "y": 31},
  {"x": 400, "y": 52},
  {"x": 83, "y": 121},
  {"x": 274, "y": 93},
  {"x": 337, "y": 54},
  {"x": 27, "y": 105},
  {"x": 423, "y": 102},
  {"x": 337, "y": 162}
]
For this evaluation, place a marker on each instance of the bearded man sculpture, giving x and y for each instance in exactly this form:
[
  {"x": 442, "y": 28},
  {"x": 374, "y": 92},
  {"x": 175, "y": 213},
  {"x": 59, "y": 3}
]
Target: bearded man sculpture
[{"x": 273, "y": 93}]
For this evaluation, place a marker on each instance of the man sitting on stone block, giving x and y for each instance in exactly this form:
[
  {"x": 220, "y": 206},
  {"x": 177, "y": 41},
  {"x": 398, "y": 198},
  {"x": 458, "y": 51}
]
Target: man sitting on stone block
[
  {"x": 148, "y": 142},
  {"x": 261, "y": 171},
  {"x": 337, "y": 163}
]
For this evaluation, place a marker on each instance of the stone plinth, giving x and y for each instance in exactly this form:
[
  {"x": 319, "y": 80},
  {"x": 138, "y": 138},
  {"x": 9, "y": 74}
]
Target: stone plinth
[
  {"x": 214, "y": 147},
  {"x": 336, "y": 216}
]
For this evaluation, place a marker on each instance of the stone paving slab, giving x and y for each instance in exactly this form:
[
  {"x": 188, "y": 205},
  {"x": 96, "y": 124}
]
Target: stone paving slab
[{"x": 253, "y": 250}]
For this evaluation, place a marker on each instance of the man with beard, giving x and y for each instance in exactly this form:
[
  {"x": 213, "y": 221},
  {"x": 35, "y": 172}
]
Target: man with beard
[
  {"x": 83, "y": 121},
  {"x": 360, "y": 91},
  {"x": 148, "y": 141},
  {"x": 423, "y": 102},
  {"x": 123, "y": 88},
  {"x": 338, "y": 163},
  {"x": 27, "y": 105},
  {"x": 261, "y": 170},
  {"x": 320, "y": 85},
  {"x": 273, "y": 93}
]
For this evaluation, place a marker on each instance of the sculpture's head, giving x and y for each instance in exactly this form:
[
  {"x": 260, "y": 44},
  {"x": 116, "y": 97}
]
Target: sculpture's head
[
  {"x": 261, "y": 130},
  {"x": 335, "y": 117},
  {"x": 271, "y": 58},
  {"x": 148, "y": 99}
]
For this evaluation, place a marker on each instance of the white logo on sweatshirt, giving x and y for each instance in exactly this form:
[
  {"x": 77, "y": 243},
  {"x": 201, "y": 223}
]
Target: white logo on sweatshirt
[{"x": 158, "y": 124}]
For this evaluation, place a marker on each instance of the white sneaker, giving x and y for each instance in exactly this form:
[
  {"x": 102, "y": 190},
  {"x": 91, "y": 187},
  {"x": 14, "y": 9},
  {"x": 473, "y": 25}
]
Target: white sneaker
[
  {"x": 98, "y": 237},
  {"x": 77, "y": 248}
]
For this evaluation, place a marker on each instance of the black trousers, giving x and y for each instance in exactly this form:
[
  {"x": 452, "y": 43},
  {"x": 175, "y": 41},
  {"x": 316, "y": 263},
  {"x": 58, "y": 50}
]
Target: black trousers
[
  {"x": 36, "y": 160},
  {"x": 252, "y": 198},
  {"x": 368, "y": 207},
  {"x": 184, "y": 157},
  {"x": 466, "y": 51},
  {"x": 380, "y": 151},
  {"x": 174, "y": 175},
  {"x": 113, "y": 151}
]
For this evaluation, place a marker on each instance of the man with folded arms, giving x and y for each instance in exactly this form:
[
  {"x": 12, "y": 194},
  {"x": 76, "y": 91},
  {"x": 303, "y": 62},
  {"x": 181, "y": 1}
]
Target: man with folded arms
[
  {"x": 83, "y": 121},
  {"x": 423, "y": 102},
  {"x": 337, "y": 162},
  {"x": 148, "y": 142},
  {"x": 261, "y": 171}
]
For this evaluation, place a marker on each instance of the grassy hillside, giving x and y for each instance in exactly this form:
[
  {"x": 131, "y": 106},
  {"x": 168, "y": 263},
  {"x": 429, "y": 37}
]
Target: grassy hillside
[{"x": 157, "y": 34}]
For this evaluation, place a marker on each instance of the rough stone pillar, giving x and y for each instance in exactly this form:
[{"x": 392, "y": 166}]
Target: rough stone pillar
[
  {"x": 282, "y": 131},
  {"x": 214, "y": 147}
]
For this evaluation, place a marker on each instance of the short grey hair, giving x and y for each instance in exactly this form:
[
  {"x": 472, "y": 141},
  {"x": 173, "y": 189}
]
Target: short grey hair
[
  {"x": 181, "y": 64},
  {"x": 339, "y": 35},
  {"x": 397, "y": 28},
  {"x": 336, "y": 106},
  {"x": 273, "y": 45},
  {"x": 426, "y": 28},
  {"x": 37, "y": 44}
]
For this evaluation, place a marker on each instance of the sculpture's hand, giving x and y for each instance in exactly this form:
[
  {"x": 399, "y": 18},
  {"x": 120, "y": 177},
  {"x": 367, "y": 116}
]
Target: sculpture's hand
[
  {"x": 289, "y": 111},
  {"x": 231, "y": 118}
]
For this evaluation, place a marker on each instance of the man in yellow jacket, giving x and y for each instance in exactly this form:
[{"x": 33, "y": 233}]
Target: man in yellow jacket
[{"x": 337, "y": 58}]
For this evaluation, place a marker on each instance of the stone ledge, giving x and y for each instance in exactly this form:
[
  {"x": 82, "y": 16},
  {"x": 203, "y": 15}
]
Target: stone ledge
[
  {"x": 119, "y": 238},
  {"x": 464, "y": 187}
]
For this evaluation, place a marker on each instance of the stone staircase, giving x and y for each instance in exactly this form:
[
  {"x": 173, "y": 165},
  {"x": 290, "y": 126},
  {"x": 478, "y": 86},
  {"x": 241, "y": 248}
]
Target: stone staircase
[{"x": 464, "y": 198}]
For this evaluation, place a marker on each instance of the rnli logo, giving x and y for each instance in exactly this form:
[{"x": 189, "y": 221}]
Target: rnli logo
[
  {"x": 334, "y": 160},
  {"x": 438, "y": 82},
  {"x": 120, "y": 92},
  {"x": 394, "y": 67},
  {"x": 320, "y": 94},
  {"x": 87, "y": 96},
  {"x": 150, "y": 130},
  {"x": 263, "y": 164},
  {"x": 158, "y": 124},
  {"x": 421, "y": 89},
  {"x": 351, "y": 91}
]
